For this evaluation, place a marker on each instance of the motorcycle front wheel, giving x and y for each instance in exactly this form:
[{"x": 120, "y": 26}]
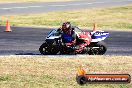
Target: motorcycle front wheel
[{"x": 43, "y": 48}]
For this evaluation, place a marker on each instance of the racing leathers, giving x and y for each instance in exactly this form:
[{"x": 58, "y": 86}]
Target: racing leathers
[{"x": 76, "y": 37}]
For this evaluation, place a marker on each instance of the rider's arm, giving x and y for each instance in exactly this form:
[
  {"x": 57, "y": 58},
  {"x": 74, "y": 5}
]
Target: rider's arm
[
  {"x": 73, "y": 36},
  {"x": 59, "y": 30}
]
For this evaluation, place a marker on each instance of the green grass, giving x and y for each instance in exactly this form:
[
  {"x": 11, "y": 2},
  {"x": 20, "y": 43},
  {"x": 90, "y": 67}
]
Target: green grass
[
  {"x": 109, "y": 18},
  {"x": 19, "y": 1},
  {"x": 59, "y": 71}
]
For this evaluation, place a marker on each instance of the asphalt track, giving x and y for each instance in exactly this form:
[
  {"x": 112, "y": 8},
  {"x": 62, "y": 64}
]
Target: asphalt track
[
  {"x": 41, "y": 7},
  {"x": 26, "y": 41}
]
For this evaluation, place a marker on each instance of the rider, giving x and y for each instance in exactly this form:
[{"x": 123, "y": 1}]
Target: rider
[{"x": 71, "y": 37}]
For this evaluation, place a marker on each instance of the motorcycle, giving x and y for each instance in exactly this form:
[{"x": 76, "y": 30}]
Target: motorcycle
[{"x": 54, "y": 45}]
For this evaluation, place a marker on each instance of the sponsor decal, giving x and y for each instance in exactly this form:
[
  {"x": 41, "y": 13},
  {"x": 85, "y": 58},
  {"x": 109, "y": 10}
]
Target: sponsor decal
[{"x": 83, "y": 78}]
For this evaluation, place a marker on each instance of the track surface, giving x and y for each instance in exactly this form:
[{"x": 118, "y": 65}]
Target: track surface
[
  {"x": 26, "y": 41},
  {"x": 41, "y": 7}
]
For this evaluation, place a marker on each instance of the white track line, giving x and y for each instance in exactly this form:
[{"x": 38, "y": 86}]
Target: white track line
[{"x": 62, "y": 5}]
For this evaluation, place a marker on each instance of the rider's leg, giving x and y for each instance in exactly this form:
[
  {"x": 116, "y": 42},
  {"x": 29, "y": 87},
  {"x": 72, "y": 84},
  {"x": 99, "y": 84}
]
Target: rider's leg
[{"x": 80, "y": 47}]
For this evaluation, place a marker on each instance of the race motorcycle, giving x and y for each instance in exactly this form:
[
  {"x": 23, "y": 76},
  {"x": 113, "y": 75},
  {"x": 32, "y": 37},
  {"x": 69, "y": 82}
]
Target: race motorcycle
[{"x": 53, "y": 44}]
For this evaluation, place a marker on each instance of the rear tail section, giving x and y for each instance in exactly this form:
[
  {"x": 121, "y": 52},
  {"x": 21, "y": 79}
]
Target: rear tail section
[{"x": 99, "y": 36}]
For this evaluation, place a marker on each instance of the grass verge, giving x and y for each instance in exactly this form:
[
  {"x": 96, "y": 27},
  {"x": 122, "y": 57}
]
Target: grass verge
[
  {"x": 110, "y": 18},
  {"x": 20, "y": 1},
  {"x": 59, "y": 71}
]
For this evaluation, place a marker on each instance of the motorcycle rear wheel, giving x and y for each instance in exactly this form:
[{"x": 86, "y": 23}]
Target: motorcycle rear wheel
[{"x": 98, "y": 51}]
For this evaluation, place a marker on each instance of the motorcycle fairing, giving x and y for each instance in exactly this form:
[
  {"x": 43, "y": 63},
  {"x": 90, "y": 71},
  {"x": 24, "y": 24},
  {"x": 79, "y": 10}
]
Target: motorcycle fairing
[
  {"x": 84, "y": 36},
  {"x": 99, "y": 36},
  {"x": 53, "y": 34}
]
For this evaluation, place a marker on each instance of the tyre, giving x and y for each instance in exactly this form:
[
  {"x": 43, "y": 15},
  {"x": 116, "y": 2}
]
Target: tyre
[
  {"x": 100, "y": 50},
  {"x": 43, "y": 49},
  {"x": 46, "y": 49}
]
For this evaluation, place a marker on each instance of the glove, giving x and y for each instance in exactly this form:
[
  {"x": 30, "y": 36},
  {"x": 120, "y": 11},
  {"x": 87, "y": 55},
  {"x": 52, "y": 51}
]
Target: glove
[{"x": 59, "y": 31}]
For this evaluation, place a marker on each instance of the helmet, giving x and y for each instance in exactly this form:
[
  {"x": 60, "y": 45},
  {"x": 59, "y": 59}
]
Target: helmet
[{"x": 66, "y": 26}]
